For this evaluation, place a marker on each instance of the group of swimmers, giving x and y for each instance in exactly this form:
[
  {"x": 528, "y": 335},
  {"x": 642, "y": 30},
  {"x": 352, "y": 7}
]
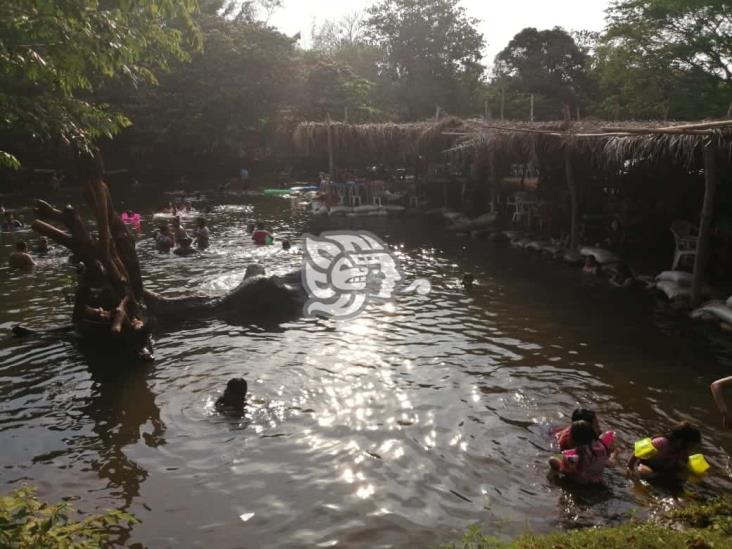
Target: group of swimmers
[
  {"x": 21, "y": 258},
  {"x": 585, "y": 452},
  {"x": 177, "y": 239}
]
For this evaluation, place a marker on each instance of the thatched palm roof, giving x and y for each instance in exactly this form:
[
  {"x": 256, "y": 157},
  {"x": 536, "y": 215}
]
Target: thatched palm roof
[
  {"x": 393, "y": 140},
  {"x": 607, "y": 141}
]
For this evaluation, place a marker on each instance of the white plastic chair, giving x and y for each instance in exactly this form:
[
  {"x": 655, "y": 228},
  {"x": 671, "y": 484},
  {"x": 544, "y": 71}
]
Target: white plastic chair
[{"x": 686, "y": 236}]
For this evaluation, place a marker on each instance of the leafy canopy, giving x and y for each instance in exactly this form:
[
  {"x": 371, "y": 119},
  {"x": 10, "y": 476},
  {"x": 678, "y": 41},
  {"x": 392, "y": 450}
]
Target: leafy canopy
[
  {"x": 546, "y": 62},
  {"x": 431, "y": 50},
  {"x": 55, "y": 53},
  {"x": 682, "y": 33}
]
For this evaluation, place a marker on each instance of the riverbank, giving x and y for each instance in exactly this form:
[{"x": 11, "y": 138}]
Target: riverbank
[{"x": 698, "y": 526}]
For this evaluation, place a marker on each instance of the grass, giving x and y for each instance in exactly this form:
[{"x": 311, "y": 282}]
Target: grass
[{"x": 697, "y": 526}]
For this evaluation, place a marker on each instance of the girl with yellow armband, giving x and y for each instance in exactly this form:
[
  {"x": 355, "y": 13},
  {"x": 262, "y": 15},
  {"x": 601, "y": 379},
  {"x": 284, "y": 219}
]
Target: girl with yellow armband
[{"x": 666, "y": 456}]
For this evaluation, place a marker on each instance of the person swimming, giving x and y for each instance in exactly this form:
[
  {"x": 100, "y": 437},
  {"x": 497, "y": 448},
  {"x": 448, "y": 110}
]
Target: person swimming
[
  {"x": 261, "y": 237},
  {"x": 201, "y": 234},
  {"x": 164, "y": 239},
  {"x": 286, "y": 244},
  {"x": 564, "y": 436},
  {"x": 43, "y": 247},
  {"x": 586, "y": 462},
  {"x": 233, "y": 401},
  {"x": 20, "y": 258},
  {"x": 591, "y": 266},
  {"x": 669, "y": 454},
  {"x": 11, "y": 224},
  {"x": 468, "y": 281},
  {"x": 251, "y": 226},
  {"x": 178, "y": 231},
  {"x": 185, "y": 247},
  {"x": 623, "y": 277}
]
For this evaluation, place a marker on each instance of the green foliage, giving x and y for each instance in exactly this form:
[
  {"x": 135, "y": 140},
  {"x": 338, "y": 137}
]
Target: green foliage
[
  {"x": 230, "y": 90},
  {"x": 703, "y": 525},
  {"x": 55, "y": 53},
  {"x": 682, "y": 33},
  {"x": 666, "y": 59},
  {"x": 548, "y": 63},
  {"x": 27, "y": 523},
  {"x": 432, "y": 55}
]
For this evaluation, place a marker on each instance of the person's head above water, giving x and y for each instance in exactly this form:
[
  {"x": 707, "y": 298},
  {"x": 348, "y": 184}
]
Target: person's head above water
[
  {"x": 684, "y": 435},
  {"x": 468, "y": 280},
  {"x": 185, "y": 242},
  {"x": 590, "y": 261},
  {"x": 235, "y": 394},
  {"x": 201, "y": 221},
  {"x": 583, "y": 433},
  {"x": 286, "y": 244},
  {"x": 260, "y": 226},
  {"x": 583, "y": 414},
  {"x": 21, "y": 246}
]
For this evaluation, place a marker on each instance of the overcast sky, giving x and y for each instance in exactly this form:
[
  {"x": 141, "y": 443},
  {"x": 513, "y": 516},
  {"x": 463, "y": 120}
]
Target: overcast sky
[{"x": 500, "y": 20}]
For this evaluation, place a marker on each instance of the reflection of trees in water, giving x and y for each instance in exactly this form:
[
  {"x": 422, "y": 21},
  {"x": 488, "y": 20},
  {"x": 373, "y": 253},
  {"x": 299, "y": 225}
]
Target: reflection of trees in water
[{"x": 120, "y": 405}]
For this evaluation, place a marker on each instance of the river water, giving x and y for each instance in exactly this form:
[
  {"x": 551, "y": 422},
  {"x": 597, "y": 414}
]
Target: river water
[{"x": 397, "y": 428}]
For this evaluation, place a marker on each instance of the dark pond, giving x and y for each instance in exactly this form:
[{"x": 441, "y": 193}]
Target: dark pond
[{"x": 399, "y": 427}]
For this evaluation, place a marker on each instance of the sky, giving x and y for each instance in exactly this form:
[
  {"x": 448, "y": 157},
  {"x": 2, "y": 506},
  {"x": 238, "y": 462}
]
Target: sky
[{"x": 500, "y": 20}]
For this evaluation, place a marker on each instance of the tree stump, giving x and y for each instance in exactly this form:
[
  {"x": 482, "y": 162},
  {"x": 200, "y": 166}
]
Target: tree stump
[{"x": 109, "y": 303}]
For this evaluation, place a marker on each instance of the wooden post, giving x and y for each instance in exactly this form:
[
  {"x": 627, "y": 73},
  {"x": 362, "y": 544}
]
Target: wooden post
[
  {"x": 492, "y": 179},
  {"x": 705, "y": 225},
  {"x": 331, "y": 163},
  {"x": 573, "y": 197},
  {"x": 503, "y": 100},
  {"x": 531, "y": 112}
]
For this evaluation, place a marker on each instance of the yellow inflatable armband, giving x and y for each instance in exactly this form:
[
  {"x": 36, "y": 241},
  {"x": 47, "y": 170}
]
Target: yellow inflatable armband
[
  {"x": 698, "y": 464},
  {"x": 644, "y": 449}
]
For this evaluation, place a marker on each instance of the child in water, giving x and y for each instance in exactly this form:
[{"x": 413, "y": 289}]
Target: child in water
[
  {"x": 564, "y": 436},
  {"x": 586, "y": 462},
  {"x": 670, "y": 455},
  {"x": 164, "y": 239},
  {"x": 184, "y": 247},
  {"x": 202, "y": 234},
  {"x": 261, "y": 236},
  {"x": 591, "y": 266}
]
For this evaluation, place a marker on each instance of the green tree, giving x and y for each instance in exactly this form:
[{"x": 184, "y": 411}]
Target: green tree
[
  {"x": 682, "y": 33},
  {"x": 220, "y": 102},
  {"x": 548, "y": 63},
  {"x": 329, "y": 87},
  {"x": 634, "y": 86},
  {"x": 55, "y": 53},
  {"x": 431, "y": 53},
  {"x": 666, "y": 59}
]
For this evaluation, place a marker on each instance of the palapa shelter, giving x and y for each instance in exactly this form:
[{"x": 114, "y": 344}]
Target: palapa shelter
[
  {"x": 609, "y": 144},
  {"x": 371, "y": 142}
]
